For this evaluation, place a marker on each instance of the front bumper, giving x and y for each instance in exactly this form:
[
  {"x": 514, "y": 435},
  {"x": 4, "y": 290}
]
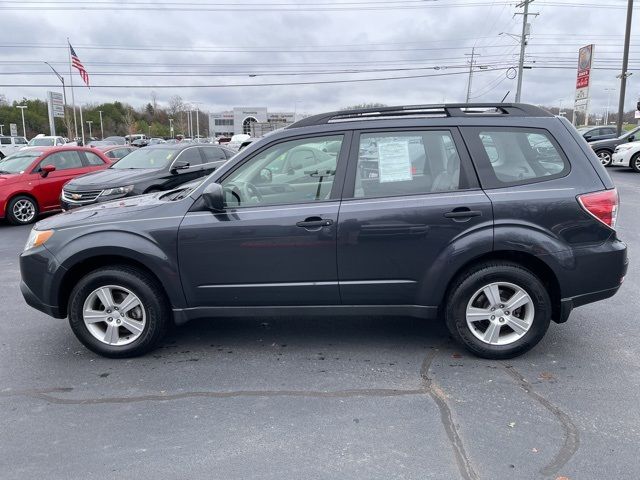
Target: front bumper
[
  {"x": 39, "y": 287},
  {"x": 620, "y": 159}
]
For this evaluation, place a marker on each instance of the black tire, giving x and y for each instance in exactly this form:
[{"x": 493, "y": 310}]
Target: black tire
[
  {"x": 18, "y": 220},
  {"x": 466, "y": 286},
  {"x": 605, "y": 157},
  {"x": 635, "y": 162},
  {"x": 146, "y": 288}
]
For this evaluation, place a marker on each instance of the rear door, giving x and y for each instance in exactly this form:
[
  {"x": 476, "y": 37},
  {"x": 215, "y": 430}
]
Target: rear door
[
  {"x": 410, "y": 197},
  {"x": 68, "y": 165}
]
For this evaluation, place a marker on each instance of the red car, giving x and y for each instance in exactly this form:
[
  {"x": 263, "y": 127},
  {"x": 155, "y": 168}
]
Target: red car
[
  {"x": 31, "y": 180},
  {"x": 115, "y": 152}
]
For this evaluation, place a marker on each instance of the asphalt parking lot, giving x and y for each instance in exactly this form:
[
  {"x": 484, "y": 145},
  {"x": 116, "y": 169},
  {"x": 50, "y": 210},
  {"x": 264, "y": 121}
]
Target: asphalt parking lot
[{"x": 323, "y": 398}]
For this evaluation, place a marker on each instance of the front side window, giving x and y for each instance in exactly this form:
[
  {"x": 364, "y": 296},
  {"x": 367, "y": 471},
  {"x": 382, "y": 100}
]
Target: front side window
[
  {"x": 191, "y": 156},
  {"x": 63, "y": 160},
  {"x": 213, "y": 154},
  {"x": 407, "y": 163},
  {"x": 521, "y": 155},
  {"x": 297, "y": 171}
]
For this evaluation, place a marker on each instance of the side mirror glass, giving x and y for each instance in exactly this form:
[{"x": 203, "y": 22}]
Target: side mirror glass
[
  {"x": 47, "y": 169},
  {"x": 180, "y": 165},
  {"x": 213, "y": 197},
  {"x": 631, "y": 138}
]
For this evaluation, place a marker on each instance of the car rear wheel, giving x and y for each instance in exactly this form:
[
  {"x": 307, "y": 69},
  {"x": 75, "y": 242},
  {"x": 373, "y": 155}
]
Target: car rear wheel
[
  {"x": 635, "y": 162},
  {"x": 605, "y": 157},
  {"x": 22, "y": 210},
  {"x": 119, "y": 312},
  {"x": 498, "y": 310}
]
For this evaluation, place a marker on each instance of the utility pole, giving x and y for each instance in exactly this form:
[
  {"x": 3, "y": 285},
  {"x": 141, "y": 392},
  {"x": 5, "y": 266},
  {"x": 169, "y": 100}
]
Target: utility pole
[
  {"x": 89, "y": 122},
  {"x": 523, "y": 43},
  {"x": 606, "y": 117},
  {"x": 171, "y": 127},
  {"x": 473, "y": 55},
  {"x": 101, "y": 127},
  {"x": 625, "y": 65}
]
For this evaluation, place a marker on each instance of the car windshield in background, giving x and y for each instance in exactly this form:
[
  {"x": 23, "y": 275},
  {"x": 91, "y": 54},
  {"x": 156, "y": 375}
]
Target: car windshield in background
[
  {"x": 18, "y": 162},
  {"x": 147, "y": 158},
  {"x": 41, "y": 142}
]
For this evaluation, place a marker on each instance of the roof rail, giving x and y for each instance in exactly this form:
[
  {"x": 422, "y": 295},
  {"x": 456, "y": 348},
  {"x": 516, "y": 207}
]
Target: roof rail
[{"x": 441, "y": 110}]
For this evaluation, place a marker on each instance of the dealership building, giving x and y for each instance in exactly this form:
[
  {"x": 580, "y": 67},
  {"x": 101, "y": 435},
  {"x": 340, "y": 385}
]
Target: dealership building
[{"x": 255, "y": 121}]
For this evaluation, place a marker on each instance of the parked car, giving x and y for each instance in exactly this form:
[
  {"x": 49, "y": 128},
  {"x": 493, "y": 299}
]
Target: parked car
[
  {"x": 604, "y": 148},
  {"x": 627, "y": 155},
  {"x": 497, "y": 220},
  {"x": 151, "y": 169},
  {"x": 117, "y": 140},
  {"x": 46, "y": 141},
  {"x": 100, "y": 143},
  {"x": 140, "y": 142},
  {"x": 116, "y": 152},
  {"x": 9, "y": 145},
  {"x": 592, "y": 134},
  {"x": 31, "y": 180},
  {"x": 136, "y": 136},
  {"x": 156, "y": 141}
]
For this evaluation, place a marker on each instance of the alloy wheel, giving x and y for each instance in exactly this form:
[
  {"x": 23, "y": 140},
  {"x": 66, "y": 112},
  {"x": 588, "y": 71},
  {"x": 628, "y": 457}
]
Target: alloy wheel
[
  {"x": 24, "y": 210},
  {"x": 114, "y": 315},
  {"x": 605, "y": 158},
  {"x": 500, "y": 313}
]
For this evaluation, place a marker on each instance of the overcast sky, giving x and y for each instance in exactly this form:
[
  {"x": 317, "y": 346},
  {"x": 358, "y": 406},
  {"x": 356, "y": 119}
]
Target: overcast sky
[{"x": 258, "y": 42}]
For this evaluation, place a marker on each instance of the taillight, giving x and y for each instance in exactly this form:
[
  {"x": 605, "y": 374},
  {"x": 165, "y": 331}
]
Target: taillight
[{"x": 601, "y": 205}]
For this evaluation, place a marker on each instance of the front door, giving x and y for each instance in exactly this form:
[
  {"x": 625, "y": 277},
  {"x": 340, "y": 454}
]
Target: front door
[
  {"x": 275, "y": 244},
  {"x": 409, "y": 196},
  {"x": 68, "y": 165}
]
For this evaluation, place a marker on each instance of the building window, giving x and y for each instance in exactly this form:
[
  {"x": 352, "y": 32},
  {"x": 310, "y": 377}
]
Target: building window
[{"x": 247, "y": 124}]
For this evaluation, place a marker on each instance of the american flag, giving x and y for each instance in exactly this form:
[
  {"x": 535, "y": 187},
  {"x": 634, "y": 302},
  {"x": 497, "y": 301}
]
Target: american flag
[{"x": 75, "y": 61}]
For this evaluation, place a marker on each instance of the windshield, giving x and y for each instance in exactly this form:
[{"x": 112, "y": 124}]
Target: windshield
[
  {"x": 18, "y": 162},
  {"x": 41, "y": 142},
  {"x": 147, "y": 158}
]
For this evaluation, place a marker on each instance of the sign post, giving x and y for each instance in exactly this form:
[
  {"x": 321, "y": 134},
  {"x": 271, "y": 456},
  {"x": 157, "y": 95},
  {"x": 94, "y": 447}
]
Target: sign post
[
  {"x": 585, "y": 60},
  {"x": 55, "y": 104}
]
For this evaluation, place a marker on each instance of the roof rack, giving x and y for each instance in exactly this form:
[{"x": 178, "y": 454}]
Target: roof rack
[{"x": 442, "y": 110}]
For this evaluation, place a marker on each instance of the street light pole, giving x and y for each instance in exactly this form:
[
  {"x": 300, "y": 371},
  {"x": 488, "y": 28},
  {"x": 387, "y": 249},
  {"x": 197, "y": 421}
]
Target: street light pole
[
  {"x": 171, "y": 127},
  {"x": 89, "y": 122},
  {"x": 1, "y": 132},
  {"x": 24, "y": 129},
  {"x": 101, "y": 127},
  {"x": 608, "y": 90}
]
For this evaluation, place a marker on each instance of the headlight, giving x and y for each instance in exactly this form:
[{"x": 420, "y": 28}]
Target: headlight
[
  {"x": 117, "y": 191},
  {"x": 621, "y": 148},
  {"x": 37, "y": 238}
]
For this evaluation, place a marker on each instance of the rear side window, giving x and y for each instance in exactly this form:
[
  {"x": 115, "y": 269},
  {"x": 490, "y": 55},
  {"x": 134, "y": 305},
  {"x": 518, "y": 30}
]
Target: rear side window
[
  {"x": 20, "y": 140},
  {"x": 5, "y": 141},
  {"x": 407, "y": 163},
  {"x": 514, "y": 156}
]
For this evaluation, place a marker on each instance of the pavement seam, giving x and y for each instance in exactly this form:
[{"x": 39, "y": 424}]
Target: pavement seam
[
  {"x": 439, "y": 397},
  {"x": 571, "y": 434}
]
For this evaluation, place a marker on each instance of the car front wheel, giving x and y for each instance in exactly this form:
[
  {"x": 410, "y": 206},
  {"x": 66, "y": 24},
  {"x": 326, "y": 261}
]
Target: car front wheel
[
  {"x": 22, "y": 210},
  {"x": 605, "y": 157},
  {"x": 498, "y": 310},
  {"x": 119, "y": 312},
  {"x": 635, "y": 162}
]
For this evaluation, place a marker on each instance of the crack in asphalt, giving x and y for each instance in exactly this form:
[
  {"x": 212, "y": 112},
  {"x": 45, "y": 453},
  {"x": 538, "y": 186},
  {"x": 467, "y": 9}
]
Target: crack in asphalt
[
  {"x": 571, "y": 435},
  {"x": 439, "y": 397},
  {"x": 45, "y": 394}
]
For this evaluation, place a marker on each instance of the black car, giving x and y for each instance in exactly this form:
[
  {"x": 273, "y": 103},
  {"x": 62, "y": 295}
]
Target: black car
[
  {"x": 151, "y": 169},
  {"x": 496, "y": 219},
  {"x": 592, "y": 134},
  {"x": 604, "y": 148}
]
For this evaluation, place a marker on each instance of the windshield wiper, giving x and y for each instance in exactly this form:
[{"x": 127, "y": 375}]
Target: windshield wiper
[{"x": 4, "y": 171}]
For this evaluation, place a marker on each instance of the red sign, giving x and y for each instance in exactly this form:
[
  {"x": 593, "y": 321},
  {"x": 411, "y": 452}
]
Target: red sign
[{"x": 583, "y": 78}]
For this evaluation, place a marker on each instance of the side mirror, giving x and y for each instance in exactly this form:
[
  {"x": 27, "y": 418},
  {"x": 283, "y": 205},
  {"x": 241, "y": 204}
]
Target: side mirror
[
  {"x": 47, "y": 169},
  {"x": 588, "y": 137},
  {"x": 180, "y": 165},
  {"x": 631, "y": 138},
  {"x": 213, "y": 197}
]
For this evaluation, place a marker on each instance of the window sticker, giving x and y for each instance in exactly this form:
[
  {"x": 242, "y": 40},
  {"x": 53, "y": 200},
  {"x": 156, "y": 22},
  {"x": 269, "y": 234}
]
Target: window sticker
[{"x": 394, "y": 163}]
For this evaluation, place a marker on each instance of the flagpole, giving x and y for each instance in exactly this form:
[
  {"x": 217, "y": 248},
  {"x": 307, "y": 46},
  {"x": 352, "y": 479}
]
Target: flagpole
[{"x": 73, "y": 99}]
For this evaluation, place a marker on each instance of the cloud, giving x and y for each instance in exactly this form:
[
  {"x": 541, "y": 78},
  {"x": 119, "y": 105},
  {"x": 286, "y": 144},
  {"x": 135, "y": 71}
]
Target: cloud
[{"x": 284, "y": 40}]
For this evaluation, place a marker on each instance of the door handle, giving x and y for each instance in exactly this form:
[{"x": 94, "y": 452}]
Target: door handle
[
  {"x": 463, "y": 213},
  {"x": 315, "y": 222}
]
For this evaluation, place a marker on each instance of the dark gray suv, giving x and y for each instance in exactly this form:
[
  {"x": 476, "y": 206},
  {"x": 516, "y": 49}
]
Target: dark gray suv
[{"x": 496, "y": 219}]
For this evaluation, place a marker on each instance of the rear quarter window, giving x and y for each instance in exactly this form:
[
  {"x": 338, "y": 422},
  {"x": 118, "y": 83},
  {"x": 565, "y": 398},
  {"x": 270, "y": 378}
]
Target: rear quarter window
[{"x": 515, "y": 156}]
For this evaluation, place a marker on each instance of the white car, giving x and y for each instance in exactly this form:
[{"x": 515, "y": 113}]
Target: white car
[
  {"x": 8, "y": 145},
  {"x": 46, "y": 141},
  {"x": 627, "y": 155}
]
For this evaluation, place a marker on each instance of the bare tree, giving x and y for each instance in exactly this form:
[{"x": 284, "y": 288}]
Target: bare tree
[{"x": 129, "y": 121}]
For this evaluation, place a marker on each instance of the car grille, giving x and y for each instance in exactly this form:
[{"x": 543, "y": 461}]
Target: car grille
[{"x": 81, "y": 197}]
